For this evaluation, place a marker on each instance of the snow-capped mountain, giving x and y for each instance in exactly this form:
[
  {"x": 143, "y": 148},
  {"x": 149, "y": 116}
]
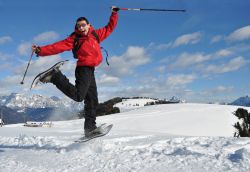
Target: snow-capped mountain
[
  {"x": 242, "y": 101},
  {"x": 175, "y": 99},
  {"x": 17, "y": 108},
  {"x": 21, "y": 101}
]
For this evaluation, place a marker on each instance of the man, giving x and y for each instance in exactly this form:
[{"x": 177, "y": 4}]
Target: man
[{"x": 88, "y": 53}]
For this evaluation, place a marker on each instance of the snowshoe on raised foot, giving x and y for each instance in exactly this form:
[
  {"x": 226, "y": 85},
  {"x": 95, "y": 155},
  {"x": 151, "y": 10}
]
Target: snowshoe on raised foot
[{"x": 46, "y": 76}]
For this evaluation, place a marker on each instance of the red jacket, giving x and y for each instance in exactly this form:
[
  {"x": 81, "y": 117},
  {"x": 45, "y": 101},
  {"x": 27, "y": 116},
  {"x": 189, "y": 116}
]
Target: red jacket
[{"x": 89, "y": 53}]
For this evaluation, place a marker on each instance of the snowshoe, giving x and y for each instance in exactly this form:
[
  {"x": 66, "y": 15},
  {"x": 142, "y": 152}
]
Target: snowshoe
[
  {"x": 45, "y": 76},
  {"x": 98, "y": 132}
]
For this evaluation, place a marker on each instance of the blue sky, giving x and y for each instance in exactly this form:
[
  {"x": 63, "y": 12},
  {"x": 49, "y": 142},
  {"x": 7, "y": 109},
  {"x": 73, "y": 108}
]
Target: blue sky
[{"x": 200, "y": 56}]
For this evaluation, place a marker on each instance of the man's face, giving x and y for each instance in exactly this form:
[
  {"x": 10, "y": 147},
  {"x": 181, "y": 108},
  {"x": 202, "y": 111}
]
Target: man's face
[{"x": 83, "y": 26}]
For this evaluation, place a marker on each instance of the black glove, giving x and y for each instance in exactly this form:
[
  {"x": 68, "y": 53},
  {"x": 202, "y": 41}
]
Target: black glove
[
  {"x": 36, "y": 49},
  {"x": 116, "y": 9}
]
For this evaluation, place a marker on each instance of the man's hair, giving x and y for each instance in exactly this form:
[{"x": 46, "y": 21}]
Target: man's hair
[{"x": 81, "y": 19}]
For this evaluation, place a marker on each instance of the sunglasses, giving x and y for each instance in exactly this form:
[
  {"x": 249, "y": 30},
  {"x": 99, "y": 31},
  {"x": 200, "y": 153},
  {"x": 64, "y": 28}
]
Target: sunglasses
[{"x": 81, "y": 25}]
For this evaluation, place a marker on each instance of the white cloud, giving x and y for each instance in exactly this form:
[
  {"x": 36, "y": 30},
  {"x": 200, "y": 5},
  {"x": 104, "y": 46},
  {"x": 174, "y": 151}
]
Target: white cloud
[
  {"x": 198, "y": 60},
  {"x": 127, "y": 62},
  {"x": 41, "y": 64},
  {"x": 232, "y": 65},
  {"x": 37, "y": 65},
  {"x": 240, "y": 48},
  {"x": 192, "y": 38},
  {"x": 150, "y": 86},
  {"x": 217, "y": 90},
  {"x": 12, "y": 81},
  {"x": 106, "y": 80},
  {"x": 216, "y": 38},
  {"x": 161, "y": 69},
  {"x": 155, "y": 46},
  {"x": 111, "y": 80},
  {"x": 187, "y": 59},
  {"x": 24, "y": 48},
  {"x": 5, "y": 39},
  {"x": 46, "y": 37},
  {"x": 223, "y": 53},
  {"x": 5, "y": 57},
  {"x": 6, "y": 60},
  {"x": 68, "y": 68},
  {"x": 186, "y": 39},
  {"x": 5, "y": 66},
  {"x": 240, "y": 34},
  {"x": 222, "y": 89},
  {"x": 180, "y": 79}
]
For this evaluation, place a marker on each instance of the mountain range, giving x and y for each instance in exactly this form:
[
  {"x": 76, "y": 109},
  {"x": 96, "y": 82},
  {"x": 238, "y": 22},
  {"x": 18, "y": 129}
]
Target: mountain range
[
  {"x": 22, "y": 101},
  {"x": 242, "y": 101},
  {"x": 18, "y": 108}
]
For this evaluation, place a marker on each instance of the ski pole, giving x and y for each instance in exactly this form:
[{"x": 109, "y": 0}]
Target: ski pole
[
  {"x": 27, "y": 67},
  {"x": 151, "y": 9}
]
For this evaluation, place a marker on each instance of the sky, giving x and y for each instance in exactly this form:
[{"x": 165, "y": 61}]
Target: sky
[{"x": 201, "y": 55}]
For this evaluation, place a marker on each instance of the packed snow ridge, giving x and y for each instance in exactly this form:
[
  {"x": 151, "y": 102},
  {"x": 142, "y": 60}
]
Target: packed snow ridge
[
  {"x": 128, "y": 104},
  {"x": 172, "y": 137},
  {"x": 131, "y": 104}
]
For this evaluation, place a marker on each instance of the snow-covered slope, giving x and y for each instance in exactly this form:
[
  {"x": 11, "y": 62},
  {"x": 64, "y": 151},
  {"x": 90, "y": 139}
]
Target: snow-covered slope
[
  {"x": 173, "y": 137},
  {"x": 131, "y": 104}
]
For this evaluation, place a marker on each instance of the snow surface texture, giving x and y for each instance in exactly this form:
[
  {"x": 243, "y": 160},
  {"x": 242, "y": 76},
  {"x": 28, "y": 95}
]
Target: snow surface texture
[{"x": 173, "y": 137}]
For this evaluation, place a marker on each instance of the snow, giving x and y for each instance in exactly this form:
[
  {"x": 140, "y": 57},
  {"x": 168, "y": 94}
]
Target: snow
[
  {"x": 173, "y": 137},
  {"x": 131, "y": 104}
]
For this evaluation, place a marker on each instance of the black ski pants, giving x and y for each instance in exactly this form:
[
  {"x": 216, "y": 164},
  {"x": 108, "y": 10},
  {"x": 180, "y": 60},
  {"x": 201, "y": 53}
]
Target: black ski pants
[{"x": 84, "y": 89}]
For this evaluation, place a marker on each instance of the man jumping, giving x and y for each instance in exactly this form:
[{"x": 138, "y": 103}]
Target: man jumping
[{"x": 84, "y": 42}]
